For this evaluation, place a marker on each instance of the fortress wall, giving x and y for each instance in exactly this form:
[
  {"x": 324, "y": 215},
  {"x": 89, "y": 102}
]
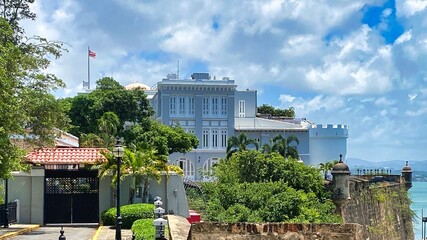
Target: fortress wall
[
  {"x": 270, "y": 231},
  {"x": 382, "y": 208}
]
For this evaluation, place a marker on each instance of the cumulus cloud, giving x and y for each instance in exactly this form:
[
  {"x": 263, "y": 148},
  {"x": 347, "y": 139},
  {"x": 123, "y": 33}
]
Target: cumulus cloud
[
  {"x": 304, "y": 107},
  {"x": 406, "y": 36},
  {"x": 383, "y": 101},
  {"x": 317, "y": 56},
  {"x": 407, "y": 8}
]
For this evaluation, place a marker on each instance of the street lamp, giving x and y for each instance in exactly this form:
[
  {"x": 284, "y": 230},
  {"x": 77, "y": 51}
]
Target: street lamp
[{"x": 118, "y": 152}]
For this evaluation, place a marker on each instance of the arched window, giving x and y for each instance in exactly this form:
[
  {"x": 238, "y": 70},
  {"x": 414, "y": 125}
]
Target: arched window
[
  {"x": 207, "y": 166},
  {"x": 187, "y": 166}
]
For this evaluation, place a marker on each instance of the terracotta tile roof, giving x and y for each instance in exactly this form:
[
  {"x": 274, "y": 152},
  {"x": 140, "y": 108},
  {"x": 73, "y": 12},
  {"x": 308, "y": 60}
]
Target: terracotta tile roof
[{"x": 66, "y": 156}]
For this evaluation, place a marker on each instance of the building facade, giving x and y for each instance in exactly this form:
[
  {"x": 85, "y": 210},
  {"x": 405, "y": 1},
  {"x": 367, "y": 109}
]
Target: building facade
[{"x": 214, "y": 110}]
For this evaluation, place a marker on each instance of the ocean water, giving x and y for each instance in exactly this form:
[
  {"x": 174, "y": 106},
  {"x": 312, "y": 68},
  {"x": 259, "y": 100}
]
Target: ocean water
[{"x": 418, "y": 194}]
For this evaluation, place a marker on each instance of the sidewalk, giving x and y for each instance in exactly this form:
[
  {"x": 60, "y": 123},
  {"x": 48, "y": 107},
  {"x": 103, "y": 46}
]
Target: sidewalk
[
  {"x": 102, "y": 233},
  {"x": 16, "y": 229},
  {"x": 108, "y": 233}
]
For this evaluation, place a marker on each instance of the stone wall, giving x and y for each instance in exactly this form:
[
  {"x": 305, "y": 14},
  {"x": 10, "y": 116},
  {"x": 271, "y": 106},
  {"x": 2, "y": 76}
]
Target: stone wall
[
  {"x": 273, "y": 231},
  {"x": 382, "y": 208}
]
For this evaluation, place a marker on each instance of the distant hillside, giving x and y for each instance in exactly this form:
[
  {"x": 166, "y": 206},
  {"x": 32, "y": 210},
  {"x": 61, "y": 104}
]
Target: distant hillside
[
  {"x": 397, "y": 165},
  {"x": 419, "y": 168}
]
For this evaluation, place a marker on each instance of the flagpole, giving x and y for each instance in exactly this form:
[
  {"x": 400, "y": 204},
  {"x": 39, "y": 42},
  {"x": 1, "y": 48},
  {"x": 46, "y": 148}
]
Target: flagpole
[{"x": 88, "y": 68}]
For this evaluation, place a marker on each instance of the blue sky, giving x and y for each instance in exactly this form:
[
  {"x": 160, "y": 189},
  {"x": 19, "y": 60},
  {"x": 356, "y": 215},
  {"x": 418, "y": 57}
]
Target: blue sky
[{"x": 355, "y": 62}]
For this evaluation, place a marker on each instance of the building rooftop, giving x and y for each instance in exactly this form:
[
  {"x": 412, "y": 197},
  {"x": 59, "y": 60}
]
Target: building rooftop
[
  {"x": 46, "y": 156},
  {"x": 256, "y": 124}
]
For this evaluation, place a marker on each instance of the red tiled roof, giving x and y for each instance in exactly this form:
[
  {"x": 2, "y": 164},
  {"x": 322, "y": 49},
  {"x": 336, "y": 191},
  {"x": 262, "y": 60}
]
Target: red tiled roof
[{"x": 66, "y": 156}]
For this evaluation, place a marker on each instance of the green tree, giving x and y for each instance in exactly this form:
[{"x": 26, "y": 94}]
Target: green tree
[
  {"x": 164, "y": 139},
  {"x": 83, "y": 118},
  {"x": 283, "y": 146},
  {"x": 143, "y": 165},
  {"x": 239, "y": 143},
  {"x": 277, "y": 112},
  {"x": 27, "y": 107},
  {"x": 109, "y": 96},
  {"x": 256, "y": 187},
  {"x": 91, "y": 140},
  {"x": 107, "y": 127}
]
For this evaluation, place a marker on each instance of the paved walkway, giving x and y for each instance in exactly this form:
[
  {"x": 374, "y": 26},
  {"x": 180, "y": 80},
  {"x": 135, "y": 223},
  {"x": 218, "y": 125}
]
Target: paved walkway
[
  {"x": 36, "y": 232},
  {"x": 108, "y": 233}
]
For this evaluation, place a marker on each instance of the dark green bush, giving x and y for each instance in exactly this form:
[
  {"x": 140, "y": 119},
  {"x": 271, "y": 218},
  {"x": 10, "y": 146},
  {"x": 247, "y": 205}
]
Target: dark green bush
[{"x": 129, "y": 213}]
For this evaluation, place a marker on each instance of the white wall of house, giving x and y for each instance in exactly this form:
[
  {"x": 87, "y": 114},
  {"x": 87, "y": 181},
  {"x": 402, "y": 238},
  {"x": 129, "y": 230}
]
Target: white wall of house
[
  {"x": 171, "y": 190},
  {"x": 28, "y": 188}
]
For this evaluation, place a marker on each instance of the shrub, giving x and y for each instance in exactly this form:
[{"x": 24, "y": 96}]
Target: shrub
[
  {"x": 129, "y": 213},
  {"x": 143, "y": 229}
]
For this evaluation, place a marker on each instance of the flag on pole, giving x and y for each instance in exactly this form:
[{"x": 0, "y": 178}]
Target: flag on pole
[{"x": 92, "y": 54}]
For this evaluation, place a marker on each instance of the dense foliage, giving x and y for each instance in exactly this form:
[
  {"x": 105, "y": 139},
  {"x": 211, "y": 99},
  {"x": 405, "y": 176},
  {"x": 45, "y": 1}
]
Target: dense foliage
[
  {"x": 165, "y": 139},
  {"x": 87, "y": 110},
  {"x": 256, "y": 187},
  {"x": 26, "y": 105},
  {"x": 277, "y": 112},
  {"x": 144, "y": 229},
  {"x": 130, "y": 213},
  {"x": 98, "y": 118}
]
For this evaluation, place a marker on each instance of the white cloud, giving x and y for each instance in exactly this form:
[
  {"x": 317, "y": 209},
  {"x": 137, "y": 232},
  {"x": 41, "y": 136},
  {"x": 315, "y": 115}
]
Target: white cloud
[
  {"x": 347, "y": 78},
  {"x": 406, "y": 36},
  {"x": 304, "y": 107},
  {"x": 387, "y": 12},
  {"x": 383, "y": 112},
  {"x": 416, "y": 113},
  {"x": 383, "y": 101},
  {"x": 286, "y": 98},
  {"x": 318, "y": 54},
  {"x": 407, "y": 8}
]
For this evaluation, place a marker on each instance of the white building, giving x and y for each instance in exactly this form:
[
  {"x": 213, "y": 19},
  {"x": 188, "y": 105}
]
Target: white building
[{"x": 214, "y": 110}]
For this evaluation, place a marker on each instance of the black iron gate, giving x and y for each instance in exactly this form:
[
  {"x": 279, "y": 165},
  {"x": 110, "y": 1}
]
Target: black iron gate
[
  {"x": 11, "y": 206},
  {"x": 71, "y": 196}
]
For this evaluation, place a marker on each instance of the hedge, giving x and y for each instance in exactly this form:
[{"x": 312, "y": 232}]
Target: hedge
[
  {"x": 143, "y": 229},
  {"x": 130, "y": 213}
]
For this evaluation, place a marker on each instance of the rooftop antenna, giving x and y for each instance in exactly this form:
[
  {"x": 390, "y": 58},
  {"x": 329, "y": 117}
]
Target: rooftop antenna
[{"x": 177, "y": 71}]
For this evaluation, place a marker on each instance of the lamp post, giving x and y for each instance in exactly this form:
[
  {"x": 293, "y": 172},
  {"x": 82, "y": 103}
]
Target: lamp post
[{"x": 118, "y": 152}]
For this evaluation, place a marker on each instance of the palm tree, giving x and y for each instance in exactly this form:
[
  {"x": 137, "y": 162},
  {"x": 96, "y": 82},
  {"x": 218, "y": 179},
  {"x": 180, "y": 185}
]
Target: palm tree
[
  {"x": 141, "y": 164},
  {"x": 144, "y": 164},
  {"x": 327, "y": 166},
  {"x": 108, "y": 126},
  {"x": 91, "y": 140},
  {"x": 266, "y": 148},
  {"x": 239, "y": 143},
  {"x": 283, "y": 146}
]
